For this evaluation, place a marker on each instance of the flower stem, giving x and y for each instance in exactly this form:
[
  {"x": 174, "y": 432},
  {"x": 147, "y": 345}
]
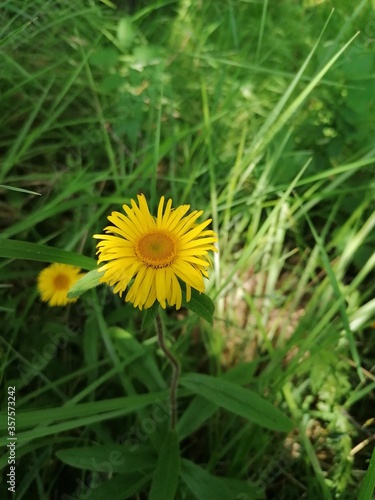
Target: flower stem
[{"x": 175, "y": 367}]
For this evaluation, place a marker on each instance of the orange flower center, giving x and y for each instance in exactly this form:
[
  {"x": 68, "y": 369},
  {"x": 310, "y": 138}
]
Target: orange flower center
[
  {"x": 61, "y": 282},
  {"x": 156, "y": 249}
]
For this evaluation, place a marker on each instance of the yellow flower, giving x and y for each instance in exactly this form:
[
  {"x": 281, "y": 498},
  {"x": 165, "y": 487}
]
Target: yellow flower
[
  {"x": 156, "y": 251},
  {"x": 55, "y": 281}
]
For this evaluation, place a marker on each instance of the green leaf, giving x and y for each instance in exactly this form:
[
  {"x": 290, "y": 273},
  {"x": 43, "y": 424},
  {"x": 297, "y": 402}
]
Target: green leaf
[
  {"x": 111, "y": 82},
  {"x": 15, "y": 32},
  {"x": 206, "y": 486},
  {"x": 242, "y": 373},
  {"x": 149, "y": 315},
  {"x": 111, "y": 458},
  {"x": 242, "y": 489},
  {"x": 200, "y": 409},
  {"x": 13, "y": 249},
  {"x": 119, "y": 487},
  {"x": 238, "y": 400},
  {"x": 77, "y": 415},
  {"x": 203, "y": 484},
  {"x": 125, "y": 32},
  {"x": 104, "y": 58},
  {"x": 40, "y": 418},
  {"x": 19, "y": 190},
  {"x": 165, "y": 478},
  {"x": 368, "y": 483},
  {"x": 89, "y": 280},
  {"x": 199, "y": 303},
  {"x": 145, "y": 368}
]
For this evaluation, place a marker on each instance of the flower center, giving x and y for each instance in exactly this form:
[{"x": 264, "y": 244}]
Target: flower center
[
  {"x": 61, "y": 282},
  {"x": 156, "y": 249}
]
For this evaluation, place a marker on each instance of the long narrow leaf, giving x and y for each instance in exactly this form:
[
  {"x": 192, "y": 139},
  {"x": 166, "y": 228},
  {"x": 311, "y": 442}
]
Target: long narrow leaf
[
  {"x": 368, "y": 483},
  {"x": 199, "y": 303},
  {"x": 110, "y": 458},
  {"x": 165, "y": 479},
  {"x": 88, "y": 281},
  {"x": 13, "y": 249},
  {"x": 27, "y": 419},
  {"x": 238, "y": 400}
]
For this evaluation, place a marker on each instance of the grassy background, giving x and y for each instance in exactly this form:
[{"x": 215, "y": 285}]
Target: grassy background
[{"x": 262, "y": 114}]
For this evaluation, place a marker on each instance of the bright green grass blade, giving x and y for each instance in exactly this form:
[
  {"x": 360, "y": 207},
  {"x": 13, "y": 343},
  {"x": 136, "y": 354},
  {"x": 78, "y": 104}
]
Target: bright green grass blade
[
  {"x": 17, "y": 189},
  {"x": 280, "y": 116},
  {"x": 359, "y": 394},
  {"x": 14, "y": 249},
  {"x": 238, "y": 400},
  {"x": 26, "y": 131},
  {"x": 368, "y": 484},
  {"x": 357, "y": 240},
  {"x": 248, "y": 251},
  {"x": 212, "y": 173},
  {"x": 156, "y": 156},
  {"x": 14, "y": 32},
  {"x": 165, "y": 478},
  {"x": 99, "y": 110},
  {"x": 339, "y": 296},
  {"x": 362, "y": 315},
  {"x": 261, "y": 29}
]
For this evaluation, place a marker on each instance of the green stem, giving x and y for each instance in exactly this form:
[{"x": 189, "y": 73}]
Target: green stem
[{"x": 175, "y": 373}]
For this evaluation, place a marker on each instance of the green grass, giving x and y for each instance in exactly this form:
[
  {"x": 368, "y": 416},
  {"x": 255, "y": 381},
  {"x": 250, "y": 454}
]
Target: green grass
[{"x": 259, "y": 113}]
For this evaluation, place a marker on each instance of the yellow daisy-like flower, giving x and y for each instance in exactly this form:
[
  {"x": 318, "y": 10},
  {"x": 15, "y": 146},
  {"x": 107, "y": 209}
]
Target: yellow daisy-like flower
[
  {"x": 55, "y": 281},
  {"x": 156, "y": 251}
]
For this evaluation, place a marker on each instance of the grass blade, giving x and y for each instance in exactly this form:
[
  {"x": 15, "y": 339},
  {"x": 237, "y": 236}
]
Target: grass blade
[{"x": 13, "y": 249}]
